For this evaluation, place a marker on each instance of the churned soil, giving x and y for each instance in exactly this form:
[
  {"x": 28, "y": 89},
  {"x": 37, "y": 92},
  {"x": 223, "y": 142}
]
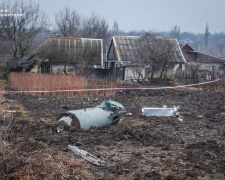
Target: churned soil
[{"x": 188, "y": 146}]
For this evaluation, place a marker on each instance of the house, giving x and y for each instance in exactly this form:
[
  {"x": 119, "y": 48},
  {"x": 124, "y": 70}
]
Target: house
[
  {"x": 124, "y": 56},
  {"x": 65, "y": 54},
  {"x": 204, "y": 61}
]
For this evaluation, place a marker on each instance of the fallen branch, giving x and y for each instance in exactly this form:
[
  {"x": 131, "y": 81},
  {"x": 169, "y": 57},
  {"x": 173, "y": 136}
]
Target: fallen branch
[
  {"x": 14, "y": 169},
  {"x": 87, "y": 156},
  {"x": 8, "y": 155}
]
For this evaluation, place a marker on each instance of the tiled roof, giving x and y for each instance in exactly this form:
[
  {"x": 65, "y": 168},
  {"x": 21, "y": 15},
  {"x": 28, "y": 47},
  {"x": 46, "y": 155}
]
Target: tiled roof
[
  {"x": 186, "y": 47},
  {"x": 127, "y": 47},
  {"x": 194, "y": 56},
  {"x": 188, "y": 56},
  {"x": 208, "y": 58}
]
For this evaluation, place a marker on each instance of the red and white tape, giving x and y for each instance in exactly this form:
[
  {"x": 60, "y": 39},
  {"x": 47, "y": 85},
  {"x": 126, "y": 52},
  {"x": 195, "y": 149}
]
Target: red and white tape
[{"x": 110, "y": 89}]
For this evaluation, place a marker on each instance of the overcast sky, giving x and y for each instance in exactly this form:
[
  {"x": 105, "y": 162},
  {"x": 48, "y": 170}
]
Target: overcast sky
[{"x": 157, "y": 15}]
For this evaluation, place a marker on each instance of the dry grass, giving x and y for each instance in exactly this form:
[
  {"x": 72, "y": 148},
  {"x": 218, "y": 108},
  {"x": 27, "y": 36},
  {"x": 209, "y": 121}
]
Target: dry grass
[
  {"x": 41, "y": 162},
  {"x": 25, "y": 158},
  {"x": 6, "y": 133},
  {"x": 51, "y": 82},
  {"x": 4, "y": 146}
]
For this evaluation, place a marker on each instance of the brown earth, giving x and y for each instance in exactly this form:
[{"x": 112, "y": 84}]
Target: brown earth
[{"x": 138, "y": 148}]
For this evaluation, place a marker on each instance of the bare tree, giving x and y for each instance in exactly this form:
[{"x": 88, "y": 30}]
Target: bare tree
[
  {"x": 220, "y": 47},
  {"x": 5, "y": 46},
  {"x": 175, "y": 32},
  {"x": 71, "y": 24},
  {"x": 115, "y": 29},
  {"x": 68, "y": 22},
  {"x": 94, "y": 26},
  {"x": 152, "y": 52},
  {"x": 206, "y": 36},
  {"x": 20, "y": 31},
  {"x": 87, "y": 57},
  {"x": 3, "y": 52}
]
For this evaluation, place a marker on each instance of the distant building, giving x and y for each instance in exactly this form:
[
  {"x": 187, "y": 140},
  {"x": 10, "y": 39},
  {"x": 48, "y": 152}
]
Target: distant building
[
  {"x": 123, "y": 52},
  {"x": 58, "y": 54},
  {"x": 205, "y": 61}
]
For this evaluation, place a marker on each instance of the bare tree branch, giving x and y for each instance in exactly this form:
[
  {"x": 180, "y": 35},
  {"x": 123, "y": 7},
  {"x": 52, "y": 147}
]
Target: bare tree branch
[
  {"x": 94, "y": 26},
  {"x": 175, "y": 32},
  {"x": 152, "y": 52},
  {"x": 68, "y": 22},
  {"x": 20, "y": 31}
]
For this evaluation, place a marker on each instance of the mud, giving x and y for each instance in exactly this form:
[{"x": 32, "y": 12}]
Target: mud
[{"x": 139, "y": 147}]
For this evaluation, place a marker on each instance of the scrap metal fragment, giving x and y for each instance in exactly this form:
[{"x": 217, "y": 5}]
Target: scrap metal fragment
[
  {"x": 6, "y": 111},
  {"x": 87, "y": 156},
  {"x": 129, "y": 114},
  {"x": 159, "y": 111}
]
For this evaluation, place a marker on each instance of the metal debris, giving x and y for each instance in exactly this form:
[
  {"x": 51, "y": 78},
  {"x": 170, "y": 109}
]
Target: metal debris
[
  {"x": 159, "y": 111},
  {"x": 87, "y": 156},
  {"x": 129, "y": 114},
  {"x": 180, "y": 119},
  {"x": 98, "y": 116},
  {"x": 6, "y": 111}
]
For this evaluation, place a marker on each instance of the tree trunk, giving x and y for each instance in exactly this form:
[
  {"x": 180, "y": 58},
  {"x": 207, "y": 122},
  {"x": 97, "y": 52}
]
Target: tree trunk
[
  {"x": 164, "y": 69},
  {"x": 152, "y": 73},
  {"x": 161, "y": 74},
  {"x": 65, "y": 69},
  {"x": 142, "y": 77}
]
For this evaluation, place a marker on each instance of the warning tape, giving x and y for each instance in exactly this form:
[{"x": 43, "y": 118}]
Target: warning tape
[{"x": 110, "y": 89}]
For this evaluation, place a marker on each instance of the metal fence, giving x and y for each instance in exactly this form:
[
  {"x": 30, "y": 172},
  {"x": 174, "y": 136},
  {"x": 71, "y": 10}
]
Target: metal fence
[{"x": 194, "y": 77}]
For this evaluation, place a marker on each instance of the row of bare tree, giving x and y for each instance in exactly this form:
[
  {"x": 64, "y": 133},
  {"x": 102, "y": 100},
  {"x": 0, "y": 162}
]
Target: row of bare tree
[
  {"x": 19, "y": 35},
  {"x": 71, "y": 24}
]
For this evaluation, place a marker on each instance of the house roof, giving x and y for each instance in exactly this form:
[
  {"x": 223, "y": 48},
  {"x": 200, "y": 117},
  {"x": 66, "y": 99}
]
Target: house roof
[
  {"x": 201, "y": 57},
  {"x": 126, "y": 48},
  {"x": 186, "y": 47},
  {"x": 194, "y": 56},
  {"x": 73, "y": 50},
  {"x": 181, "y": 45},
  {"x": 188, "y": 56}
]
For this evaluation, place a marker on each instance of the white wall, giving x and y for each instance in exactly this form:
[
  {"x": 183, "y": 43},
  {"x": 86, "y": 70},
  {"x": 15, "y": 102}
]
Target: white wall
[
  {"x": 60, "y": 68},
  {"x": 129, "y": 73}
]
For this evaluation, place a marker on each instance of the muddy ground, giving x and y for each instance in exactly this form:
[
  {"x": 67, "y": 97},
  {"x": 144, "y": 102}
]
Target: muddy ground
[{"x": 138, "y": 148}]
